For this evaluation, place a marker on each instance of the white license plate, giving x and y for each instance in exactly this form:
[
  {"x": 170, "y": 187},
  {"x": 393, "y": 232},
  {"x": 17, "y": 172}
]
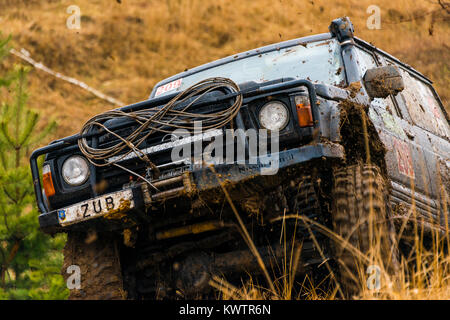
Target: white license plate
[{"x": 120, "y": 201}]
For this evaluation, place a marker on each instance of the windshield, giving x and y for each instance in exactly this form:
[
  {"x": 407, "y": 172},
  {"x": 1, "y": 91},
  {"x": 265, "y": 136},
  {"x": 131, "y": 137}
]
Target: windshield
[{"x": 318, "y": 61}]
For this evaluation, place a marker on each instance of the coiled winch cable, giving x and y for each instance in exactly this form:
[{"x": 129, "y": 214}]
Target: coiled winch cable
[{"x": 158, "y": 119}]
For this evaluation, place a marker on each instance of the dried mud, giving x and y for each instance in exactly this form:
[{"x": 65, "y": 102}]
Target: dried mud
[{"x": 359, "y": 136}]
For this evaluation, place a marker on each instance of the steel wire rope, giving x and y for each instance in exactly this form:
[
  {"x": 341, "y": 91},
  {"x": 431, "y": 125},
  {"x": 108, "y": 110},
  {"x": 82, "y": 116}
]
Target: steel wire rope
[{"x": 158, "y": 119}]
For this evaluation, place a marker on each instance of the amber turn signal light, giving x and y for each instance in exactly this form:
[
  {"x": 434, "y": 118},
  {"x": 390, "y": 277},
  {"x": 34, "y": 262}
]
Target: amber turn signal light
[
  {"x": 48, "y": 181},
  {"x": 304, "y": 114}
]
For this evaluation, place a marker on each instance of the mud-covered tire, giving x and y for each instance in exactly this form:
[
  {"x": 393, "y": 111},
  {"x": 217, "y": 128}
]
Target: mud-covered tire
[
  {"x": 360, "y": 200},
  {"x": 99, "y": 262}
]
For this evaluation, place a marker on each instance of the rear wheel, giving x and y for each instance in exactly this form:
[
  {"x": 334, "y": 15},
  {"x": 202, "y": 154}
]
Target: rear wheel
[
  {"x": 98, "y": 259},
  {"x": 360, "y": 216}
]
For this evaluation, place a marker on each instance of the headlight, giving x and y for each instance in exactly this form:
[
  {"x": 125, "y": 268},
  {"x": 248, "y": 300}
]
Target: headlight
[
  {"x": 75, "y": 170},
  {"x": 274, "y": 116}
]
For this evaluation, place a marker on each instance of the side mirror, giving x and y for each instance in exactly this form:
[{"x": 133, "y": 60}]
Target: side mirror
[{"x": 380, "y": 82}]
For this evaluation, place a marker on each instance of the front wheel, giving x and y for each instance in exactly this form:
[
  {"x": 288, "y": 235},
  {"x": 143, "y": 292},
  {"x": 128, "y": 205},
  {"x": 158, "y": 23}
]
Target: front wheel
[
  {"x": 360, "y": 218},
  {"x": 98, "y": 260}
]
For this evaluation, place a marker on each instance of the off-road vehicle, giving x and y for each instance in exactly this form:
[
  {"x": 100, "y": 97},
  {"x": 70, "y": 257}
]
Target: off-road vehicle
[{"x": 357, "y": 145}]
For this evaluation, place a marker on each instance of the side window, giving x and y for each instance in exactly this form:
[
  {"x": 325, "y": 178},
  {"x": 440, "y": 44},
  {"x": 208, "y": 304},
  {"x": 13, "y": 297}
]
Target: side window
[
  {"x": 422, "y": 105},
  {"x": 367, "y": 61}
]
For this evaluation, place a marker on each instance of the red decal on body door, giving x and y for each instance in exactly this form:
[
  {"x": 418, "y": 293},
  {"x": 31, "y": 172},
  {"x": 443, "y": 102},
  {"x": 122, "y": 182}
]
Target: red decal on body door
[{"x": 404, "y": 158}]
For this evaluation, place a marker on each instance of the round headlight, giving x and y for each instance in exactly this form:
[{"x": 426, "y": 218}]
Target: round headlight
[
  {"x": 274, "y": 116},
  {"x": 75, "y": 170}
]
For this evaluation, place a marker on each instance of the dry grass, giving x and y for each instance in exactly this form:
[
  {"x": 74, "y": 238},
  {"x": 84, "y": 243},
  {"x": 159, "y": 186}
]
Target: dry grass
[
  {"x": 423, "y": 274},
  {"x": 124, "y": 49}
]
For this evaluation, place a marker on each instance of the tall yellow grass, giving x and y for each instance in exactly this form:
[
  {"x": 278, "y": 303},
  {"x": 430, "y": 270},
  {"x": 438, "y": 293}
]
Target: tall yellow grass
[{"x": 422, "y": 274}]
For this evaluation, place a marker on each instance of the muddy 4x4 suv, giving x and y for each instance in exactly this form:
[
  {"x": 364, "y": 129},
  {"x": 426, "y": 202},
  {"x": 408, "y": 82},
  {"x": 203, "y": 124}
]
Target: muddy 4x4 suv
[{"x": 337, "y": 144}]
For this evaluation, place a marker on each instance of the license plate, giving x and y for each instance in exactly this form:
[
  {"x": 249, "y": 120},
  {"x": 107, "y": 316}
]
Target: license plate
[{"x": 116, "y": 202}]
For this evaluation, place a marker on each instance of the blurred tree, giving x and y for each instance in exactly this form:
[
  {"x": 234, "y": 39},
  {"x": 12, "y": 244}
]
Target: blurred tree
[{"x": 29, "y": 259}]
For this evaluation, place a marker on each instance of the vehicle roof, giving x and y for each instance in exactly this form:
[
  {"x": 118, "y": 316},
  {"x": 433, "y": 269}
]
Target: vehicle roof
[
  {"x": 277, "y": 46},
  {"x": 245, "y": 54}
]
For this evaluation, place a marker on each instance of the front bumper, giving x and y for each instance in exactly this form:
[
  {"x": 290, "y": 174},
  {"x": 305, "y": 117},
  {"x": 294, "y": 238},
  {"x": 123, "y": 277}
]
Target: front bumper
[{"x": 129, "y": 205}]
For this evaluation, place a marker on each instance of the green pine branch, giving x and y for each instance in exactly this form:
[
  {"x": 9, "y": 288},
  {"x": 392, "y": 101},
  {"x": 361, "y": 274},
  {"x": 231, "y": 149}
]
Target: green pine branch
[{"x": 32, "y": 257}]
